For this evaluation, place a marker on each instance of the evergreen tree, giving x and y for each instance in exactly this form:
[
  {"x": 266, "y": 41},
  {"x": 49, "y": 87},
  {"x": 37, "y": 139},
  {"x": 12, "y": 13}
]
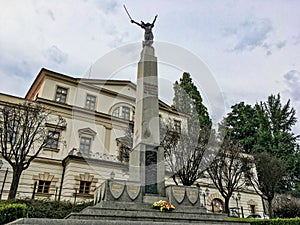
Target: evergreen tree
[
  {"x": 275, "y": 136},
  {"x": 267, "y": 127},
  {"x": 187, "y": 99},
  {"x": 185, "y": 151},
  {"x": 241, "y": 125}
]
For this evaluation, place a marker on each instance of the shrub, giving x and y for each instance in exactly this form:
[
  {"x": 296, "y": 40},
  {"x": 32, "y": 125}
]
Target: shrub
[
  {"x": 286, "y": 207},
  {"x": 51, "y": 209},
  {"x": 11, "y": 212},
  {"x": 293, "y": 221}
]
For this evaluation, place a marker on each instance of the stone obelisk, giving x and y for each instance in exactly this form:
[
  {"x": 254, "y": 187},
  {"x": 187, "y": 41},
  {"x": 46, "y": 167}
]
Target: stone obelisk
[{"x": 147, "y": 158}]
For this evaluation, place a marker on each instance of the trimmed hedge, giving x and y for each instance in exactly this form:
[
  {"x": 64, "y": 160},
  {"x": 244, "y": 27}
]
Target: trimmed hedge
[
  {"x": 11, "y": 212},
  {"x": 293, "y": 221},
  {"x": 50, "y": 209}
]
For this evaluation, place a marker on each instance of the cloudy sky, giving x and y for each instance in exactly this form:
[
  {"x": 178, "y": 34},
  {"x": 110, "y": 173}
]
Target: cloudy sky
[{"x": 251, "y": 48}]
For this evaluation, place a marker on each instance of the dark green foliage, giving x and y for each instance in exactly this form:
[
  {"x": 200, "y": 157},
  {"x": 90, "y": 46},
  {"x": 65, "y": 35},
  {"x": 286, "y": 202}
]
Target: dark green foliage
[
  {"x": 184, "y": 149},
  {"x": 11, "y": 212},
  {"x": 187, "y": 99},
  {"x": 270, "y": 171},
  {"x": 285, "y": 207},
  {"x": 275, "y": 136},
  {"x": 277, "y": 222},
  {"x": 50, "y": 209},
  {"x": 275, "y": 127},
  {"x": 241, "y": 125},
  {"x": 267, "y": 127}
]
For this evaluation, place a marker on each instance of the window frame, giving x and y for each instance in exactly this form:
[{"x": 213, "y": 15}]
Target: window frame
[
  {"x": 84, "y": 189},
  {"x": 90, "y": 102},
  {"x": 177, "y": 125},
  {"x": 45, "y": 185},
  {"x": 85, "y": 138},
  {"x": 124, "y": 112},
  {"x": 58, "y": 95},
  {"x": 54, "y": 139}
]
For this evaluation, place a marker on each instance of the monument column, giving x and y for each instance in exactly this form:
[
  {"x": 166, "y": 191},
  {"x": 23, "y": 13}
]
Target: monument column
[{"x": 147, "y": 157}]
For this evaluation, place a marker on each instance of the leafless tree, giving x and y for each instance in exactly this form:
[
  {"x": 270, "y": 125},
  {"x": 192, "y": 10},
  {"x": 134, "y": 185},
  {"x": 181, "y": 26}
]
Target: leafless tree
[
  {"x": 228, "y": 170},
  {"x": 185, "y": 152},
  {"x": 24, "y": 132}
]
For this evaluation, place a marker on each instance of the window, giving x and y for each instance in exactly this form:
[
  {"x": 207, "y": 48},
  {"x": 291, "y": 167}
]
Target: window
[
  {"x": 13, "y": 130},
  {"x": 125, "y": 113},
  {"x": 85, "y": 145},
  {"x": 90, "y": 102},
  {"x": 177, "y": 126},
  {"x": 252, "y": 209},
  {"x": 122, "y": 112},
  {"x": 116, "y": 112},
  {"x": 44, "y": 186},
  {"x": 61, "y": 95},
  {"x": 52, "y": 139},
  {"x": 84, "y": 187},
  {"x": 124, "y": 152},
  {"x": 217, "y": 205}
]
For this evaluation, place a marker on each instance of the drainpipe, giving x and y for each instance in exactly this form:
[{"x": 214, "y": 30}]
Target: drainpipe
[{"x": 62, "y": 179}]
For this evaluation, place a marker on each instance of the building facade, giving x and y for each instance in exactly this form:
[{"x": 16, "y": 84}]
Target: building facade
[{"x": 90, "y": 148}]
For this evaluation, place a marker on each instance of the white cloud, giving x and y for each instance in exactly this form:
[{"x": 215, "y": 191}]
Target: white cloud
[
  {"x": 281, "y": 44},
  {"x": 251, "y": 34},
  {"x": 68, "y": 36},
  {"x": 292, "y": 79},
  {"x": 56, "y": 55}
]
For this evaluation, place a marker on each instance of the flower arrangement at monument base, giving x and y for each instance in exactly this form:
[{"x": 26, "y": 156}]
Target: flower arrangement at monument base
[{"x": 163, "y": 206}]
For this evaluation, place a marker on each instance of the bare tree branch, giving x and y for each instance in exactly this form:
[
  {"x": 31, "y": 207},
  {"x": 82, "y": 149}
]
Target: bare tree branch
[{"x": 23, "y": 135}]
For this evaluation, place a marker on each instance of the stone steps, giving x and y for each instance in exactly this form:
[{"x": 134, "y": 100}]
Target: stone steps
[
  {"x": 41, "y": 221},
  {"x": 115, "y": 213},
  {"x": 144, "y": 215}
]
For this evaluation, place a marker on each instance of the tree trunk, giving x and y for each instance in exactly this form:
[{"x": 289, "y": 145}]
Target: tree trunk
[
  {"x": 264, "y": 205},
  {"x": 227, "y": 206},
  {"x": 174, "y": 179},
  {"x": 15, "y": 183},
  {"x": 270, "y": 208}
]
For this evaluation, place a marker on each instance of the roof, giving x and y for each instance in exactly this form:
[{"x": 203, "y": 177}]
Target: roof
[{"x": 87, "y": 81}]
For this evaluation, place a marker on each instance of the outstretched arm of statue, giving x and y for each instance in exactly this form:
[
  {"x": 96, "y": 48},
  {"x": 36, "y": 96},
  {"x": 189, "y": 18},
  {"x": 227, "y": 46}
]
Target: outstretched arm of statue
[
  {"x": 132, "y": 21},
  {"x": 154, "y": 19}
]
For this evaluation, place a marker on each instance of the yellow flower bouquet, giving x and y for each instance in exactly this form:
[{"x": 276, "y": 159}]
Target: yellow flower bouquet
[{"x": 163, "y": 205}]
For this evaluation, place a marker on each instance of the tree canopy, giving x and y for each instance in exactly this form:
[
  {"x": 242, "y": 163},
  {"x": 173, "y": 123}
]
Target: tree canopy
[
  {"x": 187, "y": 99},
  {"x": 269, "y": 172},
  {"x": 267, "y": 127}
]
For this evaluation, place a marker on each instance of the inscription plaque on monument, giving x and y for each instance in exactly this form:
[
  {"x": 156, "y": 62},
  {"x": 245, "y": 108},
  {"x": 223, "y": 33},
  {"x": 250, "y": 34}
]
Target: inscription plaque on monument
[
  {"x": 116, "y": 189},
  {"x": 150, "y": 89},
  {"x": 133, "y": 190},
  {"x": 178, "y": 193},
  {"x": 151, "y": 171},
  {"x": 192, "y": 194}
]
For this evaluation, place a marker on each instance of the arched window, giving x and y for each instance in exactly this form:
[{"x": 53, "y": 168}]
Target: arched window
[
  {"x": 218, "y": 205},
  {"x": 123, "y": 112}
]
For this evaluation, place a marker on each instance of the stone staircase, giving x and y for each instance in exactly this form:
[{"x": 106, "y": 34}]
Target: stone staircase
[{"x": 120, "y": 213}]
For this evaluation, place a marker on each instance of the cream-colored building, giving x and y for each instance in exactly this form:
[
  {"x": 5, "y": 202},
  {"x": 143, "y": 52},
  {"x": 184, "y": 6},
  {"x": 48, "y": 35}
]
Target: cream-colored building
[{"x": 89, "y": 149}]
